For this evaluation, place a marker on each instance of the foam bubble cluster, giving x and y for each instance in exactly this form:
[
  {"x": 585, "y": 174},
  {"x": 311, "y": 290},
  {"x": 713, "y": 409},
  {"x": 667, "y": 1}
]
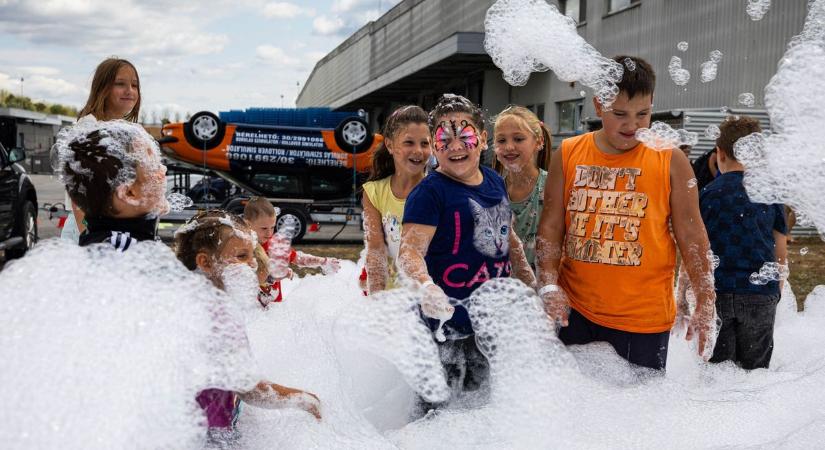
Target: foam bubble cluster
[
  {"x": 758, "y": 8},
  {"x": 679, "y": 75},
  {"x": 178, "y": 202},
  {"x": 712, "y": 132},
  {"x": 711, "y": 67},
  {"x": 747, "y": 99},
  {"x": 682, "y": 46},
  {"x": 113, "y": 349},
  {"x": 788, "y": 165},
  {"x": 525, "y": 36},
  {"x": 770, "y": 271},
  {"x": 661, "y": 136}
]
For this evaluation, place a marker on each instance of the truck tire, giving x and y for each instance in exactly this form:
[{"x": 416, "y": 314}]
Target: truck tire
[
  {"x": 204, "y": 130},
  {"x": 353, "y": 135},
  {"x": 300, "y": 218},
  {"x": 27, "y": 229}
]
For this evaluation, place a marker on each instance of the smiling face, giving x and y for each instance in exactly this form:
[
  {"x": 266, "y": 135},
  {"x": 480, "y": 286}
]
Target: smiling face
[
  {"x": 620, "y": 122},
  {"x": 410, "y": 148},
  {"x": 515, "y": 145},
  {"x": 123, "y": 95},
  {"x": 458, "y": 146}
]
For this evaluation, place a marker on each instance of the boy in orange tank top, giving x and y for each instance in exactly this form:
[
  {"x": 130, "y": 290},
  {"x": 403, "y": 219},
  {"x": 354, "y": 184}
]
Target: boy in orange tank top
[{"x": 606, "y": 257}]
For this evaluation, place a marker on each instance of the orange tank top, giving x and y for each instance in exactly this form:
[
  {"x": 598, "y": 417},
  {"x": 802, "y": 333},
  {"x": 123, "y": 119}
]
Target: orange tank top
[{"x": 619, "y": 256}]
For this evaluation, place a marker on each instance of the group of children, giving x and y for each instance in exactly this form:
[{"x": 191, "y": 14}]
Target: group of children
[{"x": 593, "y": 227}]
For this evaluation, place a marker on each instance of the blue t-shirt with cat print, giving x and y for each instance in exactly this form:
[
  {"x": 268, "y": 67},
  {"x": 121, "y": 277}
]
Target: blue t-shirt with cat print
[{"x": 471, "y": 241}]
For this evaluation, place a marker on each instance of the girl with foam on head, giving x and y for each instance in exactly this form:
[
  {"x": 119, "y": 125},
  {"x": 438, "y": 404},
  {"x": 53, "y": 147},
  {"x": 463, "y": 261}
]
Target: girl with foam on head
[
  {"x": 114, "y": 94},
  {"x": 397, "y": 167},
  {"x": 221, "y": 246},
  {"x": 522, "y": 147},
  {"x": 458, "y": 234}
]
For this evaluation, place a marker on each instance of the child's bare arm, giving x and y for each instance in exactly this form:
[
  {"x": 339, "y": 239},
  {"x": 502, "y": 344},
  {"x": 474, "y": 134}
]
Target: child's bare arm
[
  {"x": 780, "y": 250},
  {"x": 415, "y": 240},
  {"x": 376, "y": 260},
  {"x": 518, "y": 261},
  {"x": 692, "y": 239},
  {"x": 274, "y": 396},
  {"x": 549, "y": 242}
]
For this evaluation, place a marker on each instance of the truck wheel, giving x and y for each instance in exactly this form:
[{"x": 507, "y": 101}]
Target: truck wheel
[
  {"x": 27, "y": 229},
  {"x": 204, "y": 130},
  {"x": 353, "y": 135},
  {"x": 292, "y": 216}
]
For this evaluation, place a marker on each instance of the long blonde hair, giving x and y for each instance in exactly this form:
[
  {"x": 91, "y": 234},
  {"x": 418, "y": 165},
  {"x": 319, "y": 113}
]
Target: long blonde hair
[
  {"x": 102, "y": 83},
  {"x": 536, "y": 126}
]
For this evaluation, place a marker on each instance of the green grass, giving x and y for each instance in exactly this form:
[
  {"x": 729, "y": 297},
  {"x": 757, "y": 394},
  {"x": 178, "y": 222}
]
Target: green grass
[{"x": 807, "y": 271}]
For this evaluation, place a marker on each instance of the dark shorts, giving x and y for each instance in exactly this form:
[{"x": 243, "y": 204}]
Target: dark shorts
[
  {"x": 746, "y": 336},
  {"x": 466, "y": 368},
  {"x": 643, "y": 349}
]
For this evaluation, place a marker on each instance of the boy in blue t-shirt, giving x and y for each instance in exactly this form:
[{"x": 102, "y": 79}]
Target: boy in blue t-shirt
[{"x": 749, "y": 239}]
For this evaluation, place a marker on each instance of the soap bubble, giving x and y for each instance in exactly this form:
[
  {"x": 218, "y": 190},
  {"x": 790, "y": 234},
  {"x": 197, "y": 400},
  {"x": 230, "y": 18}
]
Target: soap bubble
[
  {"x": 770, "y": 271},
  {"x": 692, "y": 183},
  {"x": 629, "y": 64},
  {"x": 682, "y": 46},
  {"x": 803, "y": 251},
  {"x": 715, "y": 56},
  {"x": 747, "y": 99},
  {"x": 709, "y": 70},
  {"x": 758, "y": 8},
  {"x": 525, "y": 36}
]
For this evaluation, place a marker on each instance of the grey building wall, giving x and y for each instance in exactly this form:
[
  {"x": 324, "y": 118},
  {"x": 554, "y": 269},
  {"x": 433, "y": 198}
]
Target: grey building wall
[{"x": 411, "y": 37}]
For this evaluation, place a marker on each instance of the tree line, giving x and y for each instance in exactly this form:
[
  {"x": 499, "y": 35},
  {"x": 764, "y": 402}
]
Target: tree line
[{"x": 9, "y": 100}]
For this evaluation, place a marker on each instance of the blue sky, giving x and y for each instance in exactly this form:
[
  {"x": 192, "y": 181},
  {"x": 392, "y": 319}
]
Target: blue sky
[{"x": 191, "y": 55}]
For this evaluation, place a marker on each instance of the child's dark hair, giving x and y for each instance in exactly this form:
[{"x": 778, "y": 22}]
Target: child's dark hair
[
  {"x": 638, "y": 77},
  {"x": 206, "y": 232},
  {"x": 382, "y": 163},
  {"x": 258, "y": 207},
  {"x": 93, "y": 159},
  {"x": 536, "y": 126},
  {"x": 732, "y": 129},
  {"x": 102, "y": 82},
  {"x": 451, "y": 103}
]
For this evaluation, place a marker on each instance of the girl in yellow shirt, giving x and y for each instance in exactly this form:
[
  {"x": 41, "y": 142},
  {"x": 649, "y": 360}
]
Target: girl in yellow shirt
[{"x": 398, "y": 166}]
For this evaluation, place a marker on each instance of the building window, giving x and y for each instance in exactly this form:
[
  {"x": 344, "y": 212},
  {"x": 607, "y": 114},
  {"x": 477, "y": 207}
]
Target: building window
[
  {"x": 570, "y": 116},
  {"x": 538, "y": 110},
  {"x": 575, "y": 9},
  {"x": 618, "y": 5}
]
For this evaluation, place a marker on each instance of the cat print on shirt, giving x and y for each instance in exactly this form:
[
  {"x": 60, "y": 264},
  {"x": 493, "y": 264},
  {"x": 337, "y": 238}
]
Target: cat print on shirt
[{"x": 491, "y": 231}]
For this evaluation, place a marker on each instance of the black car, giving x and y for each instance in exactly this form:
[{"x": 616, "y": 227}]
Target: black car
[{"x": 18, "y": 206}]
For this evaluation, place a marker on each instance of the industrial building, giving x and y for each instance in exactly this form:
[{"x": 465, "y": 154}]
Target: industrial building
[
  {"x": 34, "y": 132},
  {"x": 420, "y": 49}
]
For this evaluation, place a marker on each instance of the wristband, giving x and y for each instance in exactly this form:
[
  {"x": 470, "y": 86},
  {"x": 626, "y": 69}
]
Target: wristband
[
  {"x": 427, "y": 284},
  {"x": 548, "y": 289}
]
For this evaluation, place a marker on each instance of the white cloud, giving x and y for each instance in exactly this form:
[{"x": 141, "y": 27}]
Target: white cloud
[
  {"x": 275, "y": 55},
  {"x": 326, "y": 26},
  {"x": 41, "y": 87},
  {"x": 106, "y": 27},
  {"x": 285, "y": 10}
]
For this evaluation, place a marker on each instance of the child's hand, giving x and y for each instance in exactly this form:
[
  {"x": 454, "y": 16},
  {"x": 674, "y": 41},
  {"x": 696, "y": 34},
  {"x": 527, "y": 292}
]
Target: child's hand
[
  {"x": 435, "y": 303},
  {"x": 555, "y": 303},
  {"x": 330, "y": 265},
  {"x": 704, "y": 329}
]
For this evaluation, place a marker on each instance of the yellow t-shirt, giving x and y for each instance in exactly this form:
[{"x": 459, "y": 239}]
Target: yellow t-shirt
[{"x": 391, "y": 209}]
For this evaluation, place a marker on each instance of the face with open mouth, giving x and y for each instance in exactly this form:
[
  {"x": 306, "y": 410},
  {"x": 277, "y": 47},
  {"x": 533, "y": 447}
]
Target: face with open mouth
[
  {"x": 458, "y": 146},
  {"x": 515, "y": 145},
  {"x": 410, "y": 148}
]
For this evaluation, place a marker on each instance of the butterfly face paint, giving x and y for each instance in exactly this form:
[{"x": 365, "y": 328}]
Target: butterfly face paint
[{"x": 450, "y": 132}]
